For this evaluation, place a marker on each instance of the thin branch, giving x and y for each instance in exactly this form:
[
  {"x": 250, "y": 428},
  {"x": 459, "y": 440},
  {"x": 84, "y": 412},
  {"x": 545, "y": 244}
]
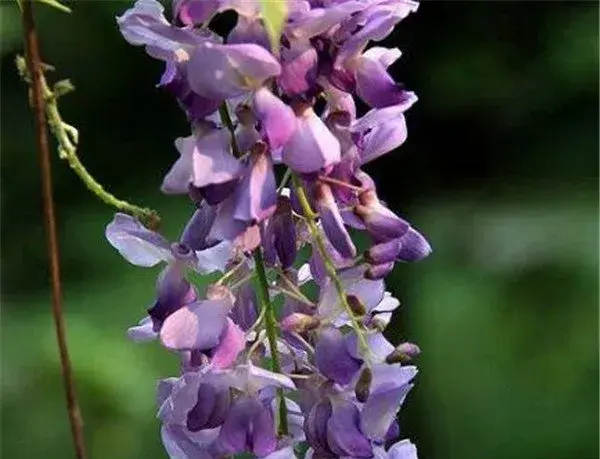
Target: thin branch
[
  {"x": 35, "y": 70},
  {"x": 67, "y": 138}
]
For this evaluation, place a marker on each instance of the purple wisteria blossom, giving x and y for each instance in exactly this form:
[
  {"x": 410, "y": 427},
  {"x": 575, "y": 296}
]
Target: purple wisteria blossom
[{"x": 314, "y": 377}]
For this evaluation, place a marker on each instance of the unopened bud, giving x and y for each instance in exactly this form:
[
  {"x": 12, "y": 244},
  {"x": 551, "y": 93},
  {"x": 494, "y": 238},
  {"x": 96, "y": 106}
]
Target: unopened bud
[
  {"x": 403, "y": 353},
  {"x": 219, "y": 292},
  {"x": 299, "y": 323},
  {"x": 363, "y": 385},
  {"x": 356, "y": 305}
]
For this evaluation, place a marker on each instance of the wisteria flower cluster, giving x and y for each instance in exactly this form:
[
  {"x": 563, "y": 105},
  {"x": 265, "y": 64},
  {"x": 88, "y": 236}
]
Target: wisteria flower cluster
[{"x": 283, "y": 355}]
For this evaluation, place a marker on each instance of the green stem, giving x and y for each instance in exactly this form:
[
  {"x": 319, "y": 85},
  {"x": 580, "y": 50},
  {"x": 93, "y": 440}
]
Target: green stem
[
  {"x": 329, "y": 266},
  {"x": 267, "y": 308},
  {"x": 67, "y": 138},
  {"x": 271, "y": 330},
  {"x": 228, "y": 122}
]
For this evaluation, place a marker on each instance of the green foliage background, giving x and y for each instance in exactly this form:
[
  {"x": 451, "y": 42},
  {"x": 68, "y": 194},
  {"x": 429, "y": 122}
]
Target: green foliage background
[{"x": 500, "y": 171}]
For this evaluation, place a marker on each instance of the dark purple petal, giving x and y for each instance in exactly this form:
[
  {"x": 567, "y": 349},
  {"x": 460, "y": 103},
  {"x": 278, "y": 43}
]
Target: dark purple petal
[
  {"x": 332, "y": 222},
  {"x": 380, "y": 271},
  {"x": 224, "y": 71},
  {"x": 137, "y": 244},
  {"x": 249, "y": 30},
  {"x": 380, "y": 222},
  {"x": 225, "y": 227},
  {"x": 284, "y": 233},
  {"x": 195, "y": 326},
  {"x": 196, "y": 230},
  {"x": 312, "y": 147},
  {"x": 143, "y": 331},
  {"x": 343, "y": 432},
  {"x": 298, "y": 68},
  {"x": 244, "y": 310},
  {"x": 277, "y": 119},
  {"x": 194, "y": 12},
  {"x": 315, "y": 427},
  {"x": 414, "y": 246},
  {"x": 376, "y": 87},
  {"x": 332, "y": 357},
  {"x": 210, "y": 408},
  {"x": 173, "y": 292},
  {"x": 256, "y": 197},
  {"x": 248, "y": 428}
]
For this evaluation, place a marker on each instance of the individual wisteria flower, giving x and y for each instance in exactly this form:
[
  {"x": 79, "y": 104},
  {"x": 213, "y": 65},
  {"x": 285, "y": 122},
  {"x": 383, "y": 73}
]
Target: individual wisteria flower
[{"x": 274, "y": 179}]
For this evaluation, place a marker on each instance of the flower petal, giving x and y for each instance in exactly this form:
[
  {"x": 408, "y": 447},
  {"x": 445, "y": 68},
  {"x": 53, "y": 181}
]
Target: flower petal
[
  {"x": 404, "y": 449},
  {"x": 231, "y": 343},
  {"x": 223, "y": 71},
  {"x": 257, "y": 193},
  {"x": 277, "y": 119},
  {"x": 332, "y": 222},
  {"x": 414, "y": 246},
  {"x": 332, "y": 357},
  {"x": 137, "y": 244},
  {"x": 343, "y": 433},
  {"x": 196, "y": 326},
  {"x": 312, "y": 147}
]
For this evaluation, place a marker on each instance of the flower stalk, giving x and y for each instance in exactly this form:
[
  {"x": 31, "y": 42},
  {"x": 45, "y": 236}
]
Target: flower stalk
[{"x": 39, "y": 104}]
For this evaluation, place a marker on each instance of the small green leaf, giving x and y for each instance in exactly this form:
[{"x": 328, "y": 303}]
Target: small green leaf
[
  {"x": 274, "y": 14},
  {"x": 56, "y": 4}
]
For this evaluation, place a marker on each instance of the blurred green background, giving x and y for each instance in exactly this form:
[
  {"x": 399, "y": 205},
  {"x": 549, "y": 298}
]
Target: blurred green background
[{"x": 500, "y": 172}]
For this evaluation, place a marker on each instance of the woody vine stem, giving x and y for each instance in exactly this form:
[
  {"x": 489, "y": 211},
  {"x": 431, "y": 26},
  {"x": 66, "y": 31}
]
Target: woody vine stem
[{"x": 34, "y": 65}]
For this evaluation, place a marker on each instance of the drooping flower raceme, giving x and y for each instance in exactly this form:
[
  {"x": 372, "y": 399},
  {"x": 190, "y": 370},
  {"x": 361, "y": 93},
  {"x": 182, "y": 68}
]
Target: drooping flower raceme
[{"x": 278, "y": 359}]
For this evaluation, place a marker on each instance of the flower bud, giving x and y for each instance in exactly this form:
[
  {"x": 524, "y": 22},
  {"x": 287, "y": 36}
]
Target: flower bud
[
  {"x": 299, "y": 323},
  {"x": 356, "y": 305},
  {"x": 363, "y": 385},
  {"x": 403, "y": 353}
]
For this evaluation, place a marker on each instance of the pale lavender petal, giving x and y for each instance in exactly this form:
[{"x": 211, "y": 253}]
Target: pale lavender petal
[
  {"x": 283, "y": 453},
  {"x": 212, "y": 160},
  {"x": 367, "y": 291},
  {"x": 404, "y": 449},
  {"x": 225, "y": 227},
  {"x": 223, "y": 71},
  {"x": 332, "y": 357},
  {"x": 379, "y": 346},
  {"x": 179, "y": 177},
  {"x": 214, "y": 258},
  {"x": 257, "y": 193},
  {"x": 277, "y": 119},
  {"x": 231, "y": 343},
  {"x": 307, "y": 24},
  {"x": 137, "y": 244},
  {"x": 339, "y": 101},
  {"x": 144, "y": 331},
  {"x": 390, "y": 385},
  {"x": 196, "y": 326},
  {"x": 343, "y": 432},
  {"x": 379, "y": 116},
  {"x": 385, "y": 56},
  {"x": 383, "y": 139},
  {"x": 298, "y": 68},
  {"x": 244, "y": 376},
  {"x": 414, "y": 246},
  {"x": 145, "y": 24},
  {"x": 332, "y": 222},
  {"x": 312, "y": 147},
  {"x": 179, "y": 445}
]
